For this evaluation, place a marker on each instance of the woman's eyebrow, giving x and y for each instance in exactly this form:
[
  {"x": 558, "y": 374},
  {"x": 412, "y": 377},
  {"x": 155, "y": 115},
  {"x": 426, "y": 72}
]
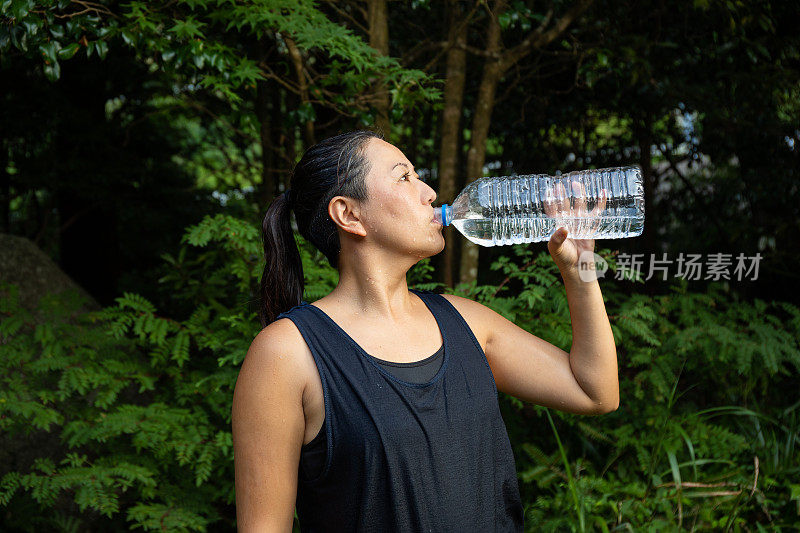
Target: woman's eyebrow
[{"x": 401, "y": 165}]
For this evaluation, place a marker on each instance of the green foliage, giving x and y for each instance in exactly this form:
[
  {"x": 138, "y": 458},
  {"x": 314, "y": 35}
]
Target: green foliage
[
  {"x": 139, "y": 402},
  {"x": 117, "y": 387},
  {"x": 193, "y": 37},
  {"x": 121, "y": 417},
  {"x": 228, "y": 252},
  {"x": 708, "y": 404},
  {"x": 125, "y": 413}
]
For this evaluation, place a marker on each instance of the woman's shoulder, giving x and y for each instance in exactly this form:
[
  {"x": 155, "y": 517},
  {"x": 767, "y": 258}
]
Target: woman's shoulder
[
  {"x": 475, "y": 314},
  {"x": 280, "y": 347},
  {"x": 281, "y": 330},
  {"x": 465, "y": 306}
]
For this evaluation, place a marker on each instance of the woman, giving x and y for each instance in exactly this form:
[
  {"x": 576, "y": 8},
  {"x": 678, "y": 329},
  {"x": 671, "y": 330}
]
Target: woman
[{"x": 340, "y": 408}]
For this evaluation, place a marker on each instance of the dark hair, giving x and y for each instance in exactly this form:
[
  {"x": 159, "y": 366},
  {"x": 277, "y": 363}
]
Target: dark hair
[{"x": 335, "y": 166}]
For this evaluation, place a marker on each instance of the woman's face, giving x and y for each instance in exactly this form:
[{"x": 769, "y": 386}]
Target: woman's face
[{"x": 398, "y": 213}]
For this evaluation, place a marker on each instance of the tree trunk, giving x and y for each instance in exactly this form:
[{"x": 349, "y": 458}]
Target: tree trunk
[
  {"x": 378, "y": 24},
  {"x": 649, "y": 181},
  {"x": 644, "y": 137},
  {"x": 281, "y": 167},
  {"x": 476, "y": 156},
  {"x": 268, "y": 185},
  {"x": 451, "y": 125},
  {"x": 497, "y": 63},
  {"x": 268, "y": 181},
  {"x": 296, "y": 57},
  {"x": 289, "y": 132}
]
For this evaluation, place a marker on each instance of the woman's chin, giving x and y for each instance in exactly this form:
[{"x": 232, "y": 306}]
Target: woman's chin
[
  {"x": 434, "y": 244},
  {"x": 435, "y": 250}
]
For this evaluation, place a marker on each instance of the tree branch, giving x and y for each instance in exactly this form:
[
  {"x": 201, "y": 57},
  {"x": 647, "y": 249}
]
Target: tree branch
[
  {"x": 344, "y": 14},
  {"x": 701, "y": 200},
  {"x": 539, "y": 38},
  {"x": 479, "y": 52},
  {"x": 419, "y": 49},
  {"x": 450, "y": 43},
  {"x": 269, "y": 73}
]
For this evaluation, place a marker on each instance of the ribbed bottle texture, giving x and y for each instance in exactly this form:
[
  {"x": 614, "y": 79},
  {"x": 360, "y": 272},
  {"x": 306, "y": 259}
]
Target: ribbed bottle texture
[{"x": 519, "y": 209}]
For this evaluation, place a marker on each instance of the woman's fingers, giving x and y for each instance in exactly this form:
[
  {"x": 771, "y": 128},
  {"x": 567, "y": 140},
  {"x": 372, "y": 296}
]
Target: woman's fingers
[
  {"x": 558, "y": 203},
  {"x": 550, "y": 202},
  {"x": 563, "y": 199},
  {"x": 579, "y": 195}
]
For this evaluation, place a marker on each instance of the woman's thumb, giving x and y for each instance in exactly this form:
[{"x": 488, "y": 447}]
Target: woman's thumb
[
  {"x": 557, "y": 240},
  {"x": 560, "y": 235}
]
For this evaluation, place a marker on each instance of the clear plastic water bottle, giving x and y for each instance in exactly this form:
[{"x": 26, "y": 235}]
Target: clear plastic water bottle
[{"x": 591, "y": 204}]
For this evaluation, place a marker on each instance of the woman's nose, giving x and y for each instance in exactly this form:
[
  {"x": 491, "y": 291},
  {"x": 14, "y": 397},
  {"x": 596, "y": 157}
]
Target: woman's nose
[{"x": 430, "y": 195}]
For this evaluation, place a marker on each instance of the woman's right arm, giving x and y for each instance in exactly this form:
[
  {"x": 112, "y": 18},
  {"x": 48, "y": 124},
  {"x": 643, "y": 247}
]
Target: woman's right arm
[{"x": 268, "y": 426}]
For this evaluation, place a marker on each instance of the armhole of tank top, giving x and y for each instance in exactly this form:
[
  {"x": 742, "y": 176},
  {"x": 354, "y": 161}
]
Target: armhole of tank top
[
  {"x": 326, "y": 423},
  {"x": 471, "y": 335}
]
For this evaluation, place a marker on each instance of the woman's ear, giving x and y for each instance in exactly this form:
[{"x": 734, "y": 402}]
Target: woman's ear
[{"x": 344, "y": 213}]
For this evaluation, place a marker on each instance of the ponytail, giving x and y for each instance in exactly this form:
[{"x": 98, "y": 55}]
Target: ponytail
[
  {"x": 334, "y": 166},
  {"x": 282, "y": 281}
]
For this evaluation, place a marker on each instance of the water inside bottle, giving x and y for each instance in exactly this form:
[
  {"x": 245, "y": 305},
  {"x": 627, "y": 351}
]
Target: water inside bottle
[{"x": 513, "y": 210}]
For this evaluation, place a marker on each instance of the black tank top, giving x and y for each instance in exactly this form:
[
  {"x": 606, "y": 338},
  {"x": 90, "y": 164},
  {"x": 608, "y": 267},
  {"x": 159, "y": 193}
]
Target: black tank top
[
  {"x": 405, "y": 456},
  {"x": 312, "y": 454}
]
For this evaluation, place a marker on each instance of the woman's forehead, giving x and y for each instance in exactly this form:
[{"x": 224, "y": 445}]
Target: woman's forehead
[{"x": 384, "y": 154}]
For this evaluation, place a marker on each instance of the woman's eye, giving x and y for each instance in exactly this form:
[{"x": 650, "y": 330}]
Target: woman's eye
[{"x": 407, "y": 176}]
